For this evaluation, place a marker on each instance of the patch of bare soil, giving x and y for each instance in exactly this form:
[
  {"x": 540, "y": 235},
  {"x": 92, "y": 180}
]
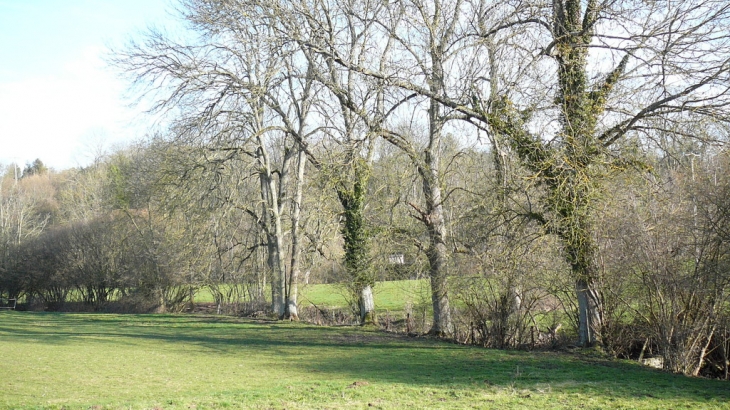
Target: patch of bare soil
[
  {"x": 359, "y": 338},
  {"x": 357, "y": 384},
  {"x": 203, "y": 308}
]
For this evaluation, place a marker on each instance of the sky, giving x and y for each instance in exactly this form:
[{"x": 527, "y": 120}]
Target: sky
[{"x": 59, "y": 101}]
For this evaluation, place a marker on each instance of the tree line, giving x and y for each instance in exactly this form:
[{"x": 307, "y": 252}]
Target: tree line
[{"x": 543, "y": 164}]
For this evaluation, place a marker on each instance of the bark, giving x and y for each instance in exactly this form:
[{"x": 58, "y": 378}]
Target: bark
[
  {"x": 580, "y": 253},
  {"x": 271, "y": 212},
  {"x": 367, "y": 306},
  {"x": 434, "y": 219},
  {"x": 356, "y": 240},
  {"x": 589, "y": 318},
  {"x": 441, "y": 28},
  {"x": 280, "y": 270},
  {"x": 296, "y": 249},
  {"x": 437, "y": 256}
]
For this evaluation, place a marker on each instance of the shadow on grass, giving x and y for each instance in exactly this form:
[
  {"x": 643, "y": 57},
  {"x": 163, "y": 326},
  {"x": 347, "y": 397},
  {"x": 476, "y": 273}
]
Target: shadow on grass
[{"x": 364, "y": 355}]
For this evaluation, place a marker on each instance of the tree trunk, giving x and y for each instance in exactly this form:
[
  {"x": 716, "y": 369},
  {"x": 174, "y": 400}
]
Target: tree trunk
[
  {"x": 437, "y": 252},
  {"x": 357, "y": 240},
  {"x": 589, "y": 318},
  {"x": 434, "y": 219},
  {"x": 442, "y": 324},
  {"x": 574, "y": 186},
  {"x": 367, "y": 306},
  {"x": 580, "y": 253},
  {"x": 271, "y": 213},
  {"x": 296, "y": 249}
]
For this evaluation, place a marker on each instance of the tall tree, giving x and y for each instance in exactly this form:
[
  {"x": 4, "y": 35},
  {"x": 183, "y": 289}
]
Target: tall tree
[
  {"x": 358, "y": 108},
  {"x": 225, "y": 89},
  {"x": 595, "y": 122},
  {"x": 411, "y": 39},
  {"x": 350, "y": 113},
  {"x": 581, "y": 85},
  {"x": 25, "y": 211}
]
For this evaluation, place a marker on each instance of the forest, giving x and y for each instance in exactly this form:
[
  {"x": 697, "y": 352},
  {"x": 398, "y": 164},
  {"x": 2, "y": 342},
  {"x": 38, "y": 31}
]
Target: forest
[{"x": 555, "y": 171}]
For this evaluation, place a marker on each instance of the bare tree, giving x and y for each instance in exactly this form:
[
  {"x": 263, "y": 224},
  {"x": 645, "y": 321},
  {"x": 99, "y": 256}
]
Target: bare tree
[
  {"x": 415, "y": 40},
  {"x": 223, "y": 95},
  {"x": 25, "y": 211},
  {"x": 581, "y": 82},
  {"x": 350, "y": 115}
]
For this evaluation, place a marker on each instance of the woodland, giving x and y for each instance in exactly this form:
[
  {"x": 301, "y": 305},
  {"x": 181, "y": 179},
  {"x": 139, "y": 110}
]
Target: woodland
[{"x": 556, "y": 171}]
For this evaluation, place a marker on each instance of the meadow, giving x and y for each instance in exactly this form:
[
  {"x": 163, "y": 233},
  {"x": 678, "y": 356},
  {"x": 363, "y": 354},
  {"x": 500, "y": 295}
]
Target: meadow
[
  {"x": 109, "y": 361},
  {"x": 390, "y": 296}
]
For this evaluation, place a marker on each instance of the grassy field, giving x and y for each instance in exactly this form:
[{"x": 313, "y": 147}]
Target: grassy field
[
  {"x": 100, "y": 361},
  {"x": 389, "y": 296}
]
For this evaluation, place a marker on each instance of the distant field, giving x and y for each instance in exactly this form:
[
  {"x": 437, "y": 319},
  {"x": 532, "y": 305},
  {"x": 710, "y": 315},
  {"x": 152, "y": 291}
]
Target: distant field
[
  {"x": 106, "y": 361},
  {"x": 389, "y": 296}
]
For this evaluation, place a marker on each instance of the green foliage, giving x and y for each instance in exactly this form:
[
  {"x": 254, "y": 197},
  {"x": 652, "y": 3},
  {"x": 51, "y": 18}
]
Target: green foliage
[
  {"x": 119, "y": 195},
  {"x": 81, "y": 361},
  {"x": 36, "y": 168},
  {"x": 354, "y": 232}
]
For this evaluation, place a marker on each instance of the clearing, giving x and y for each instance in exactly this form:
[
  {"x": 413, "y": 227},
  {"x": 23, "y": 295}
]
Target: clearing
[{"x": 107, "y": 361}]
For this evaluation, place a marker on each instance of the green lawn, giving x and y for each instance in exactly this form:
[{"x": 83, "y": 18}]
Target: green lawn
[
  {"x": 96, "y": 361},
  {"x": 389, "y": 296}
]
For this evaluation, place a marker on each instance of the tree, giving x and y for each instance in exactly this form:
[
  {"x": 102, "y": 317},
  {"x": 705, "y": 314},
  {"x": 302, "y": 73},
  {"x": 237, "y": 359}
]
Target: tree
[
  {"x": 440, "y": 22},
  {"x": 350, "y": 113},
  {"x": 581, "y": 86},
  {"x": 36, "y": 168},
  {"x": 230, "y": 86},
  {"x": 595, "y": 124},
  {"x": 359, "y": 110},
  {"x": 26, "y": 208},
  {"x": 382, "y": 36}
]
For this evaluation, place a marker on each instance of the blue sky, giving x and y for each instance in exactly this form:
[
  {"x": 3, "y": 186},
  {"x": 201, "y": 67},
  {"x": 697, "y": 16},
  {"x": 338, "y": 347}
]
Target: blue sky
[{"x": 58, "y": 100}]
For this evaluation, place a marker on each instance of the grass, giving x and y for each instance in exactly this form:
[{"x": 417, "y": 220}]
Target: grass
[
  {"x": 105, "y": 361},
  {"x": 389, "y": 296}
]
